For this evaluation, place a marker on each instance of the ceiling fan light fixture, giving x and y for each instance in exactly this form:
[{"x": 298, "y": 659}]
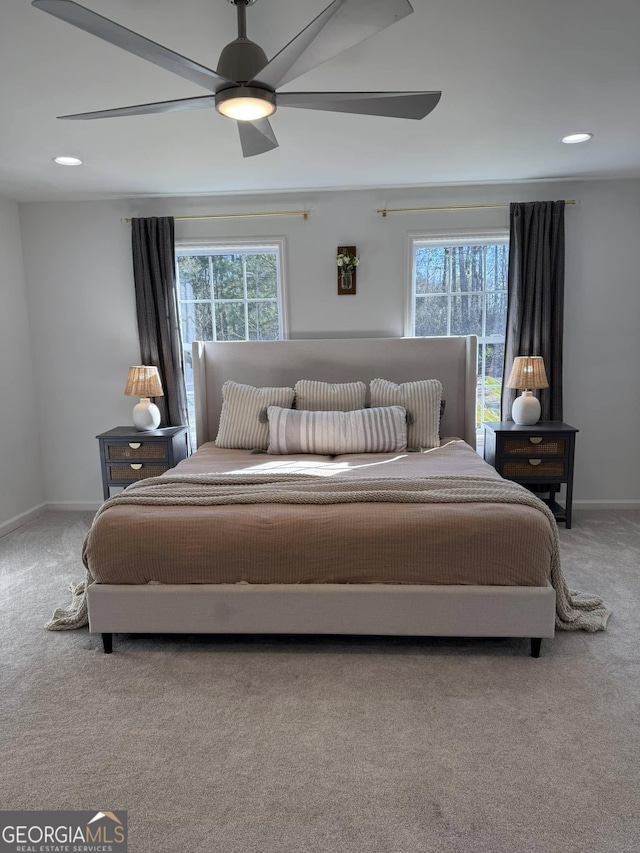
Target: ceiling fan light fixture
[
  {"x": 245, "y": 103},
  {"x": 575, "y": 138}
]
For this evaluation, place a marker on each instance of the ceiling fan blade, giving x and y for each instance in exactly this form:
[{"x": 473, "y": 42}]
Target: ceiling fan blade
[
  {"x": 256, "y": 137},
  {"x": 199, "y": 103},
  {"x": 143, "y": 47},
  {"x": 415, "y": 105},
  {"x": 342, "y": 24}
]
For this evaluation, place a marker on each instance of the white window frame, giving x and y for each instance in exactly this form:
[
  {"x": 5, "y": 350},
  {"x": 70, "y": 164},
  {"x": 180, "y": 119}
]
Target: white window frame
[
  {"x": 458, "y": 237},
  {"x": 243, "y": 247},
  {"x": 236, "y": 246}
]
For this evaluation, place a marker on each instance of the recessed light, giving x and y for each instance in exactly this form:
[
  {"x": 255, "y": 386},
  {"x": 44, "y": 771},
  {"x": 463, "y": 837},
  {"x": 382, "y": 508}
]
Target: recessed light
[
  {"x": 574, "y": 138},
  {"x": 67, "y": 161}
]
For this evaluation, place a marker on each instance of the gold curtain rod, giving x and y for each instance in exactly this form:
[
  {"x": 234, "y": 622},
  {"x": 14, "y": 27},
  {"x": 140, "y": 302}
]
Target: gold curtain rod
[
  {"x": 385, "y": 210},
  {"x": 304, "y": 213}
]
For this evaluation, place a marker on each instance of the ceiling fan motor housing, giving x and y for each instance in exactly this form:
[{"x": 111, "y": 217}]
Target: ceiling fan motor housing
[{"x": 241, "y": 60}]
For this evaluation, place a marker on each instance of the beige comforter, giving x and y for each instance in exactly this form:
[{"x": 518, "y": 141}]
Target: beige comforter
[{"x": 430, "y": 543}]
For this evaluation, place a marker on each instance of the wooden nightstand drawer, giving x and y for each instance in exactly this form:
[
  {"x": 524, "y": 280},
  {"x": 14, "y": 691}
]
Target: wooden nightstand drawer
[
  {"x": 538, "y": 444},
  {"x": 534, "y": 468},
  {"x": 136, "y": 450},
  {"x": 133, "y": 472}
]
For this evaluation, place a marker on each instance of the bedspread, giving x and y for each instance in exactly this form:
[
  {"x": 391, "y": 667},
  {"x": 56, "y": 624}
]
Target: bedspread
[
  {"x": 214, "y": 539},
  {"x": 574, "y": 611}
]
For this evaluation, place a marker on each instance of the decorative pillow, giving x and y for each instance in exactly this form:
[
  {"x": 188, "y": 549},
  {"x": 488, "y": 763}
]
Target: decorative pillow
[
  {"x": 329, "y": 397},
  {"x": 381, "y": 430},
  {"x": 421, "y": 400},
  {"x": 241, "y": 426}
]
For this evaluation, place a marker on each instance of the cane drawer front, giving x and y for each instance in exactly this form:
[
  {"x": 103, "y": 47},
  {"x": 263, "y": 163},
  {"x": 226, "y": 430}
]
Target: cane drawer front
[
  {"x": 534, "y": 457},
  {"x": 534, "y": 468},
  {"x": 134, "y": 471},
  {"x": 534, "y": 445},
  {"x": 135, "y": 450}
]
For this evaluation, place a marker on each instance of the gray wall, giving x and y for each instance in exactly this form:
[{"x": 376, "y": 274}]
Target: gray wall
[
  {"x": 21, "y": 485},
  {"x": 81, "y": 304}
]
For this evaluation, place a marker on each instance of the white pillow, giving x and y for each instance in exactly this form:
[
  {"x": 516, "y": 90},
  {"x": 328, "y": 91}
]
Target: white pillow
[
  {"x": 241, "y": 427},
  {"x": 381, "y": 430},
  {"x": 421, "y": 399},
  {"x": 329, "y": 397}
]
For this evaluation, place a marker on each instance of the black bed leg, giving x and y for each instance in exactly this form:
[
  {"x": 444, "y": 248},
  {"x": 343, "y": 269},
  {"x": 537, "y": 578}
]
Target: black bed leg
[
  {"x": 536, "y": 642},
  {"x": 107, "y": 642}
]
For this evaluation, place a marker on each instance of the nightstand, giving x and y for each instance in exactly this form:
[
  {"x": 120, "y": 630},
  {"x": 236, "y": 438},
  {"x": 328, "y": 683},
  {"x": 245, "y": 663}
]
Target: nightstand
[
  {"x": 539, "y": 457},
  {"x": 127, "y": 455}
]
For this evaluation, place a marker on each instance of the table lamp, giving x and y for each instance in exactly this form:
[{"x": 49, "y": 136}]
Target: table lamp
[
  {"x": 527, "y": 373},
  {"x": 144, "y": 382}
]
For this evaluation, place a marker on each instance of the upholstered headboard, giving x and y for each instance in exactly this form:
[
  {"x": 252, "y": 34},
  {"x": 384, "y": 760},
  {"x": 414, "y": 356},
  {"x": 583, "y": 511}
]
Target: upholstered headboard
[{"x": 282, "y": 363}]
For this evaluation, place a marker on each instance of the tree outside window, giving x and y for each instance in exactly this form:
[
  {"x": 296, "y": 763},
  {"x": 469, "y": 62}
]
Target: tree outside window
[
  {"x": 459, "y": 287},
  {"x": 228, "y": 293}
]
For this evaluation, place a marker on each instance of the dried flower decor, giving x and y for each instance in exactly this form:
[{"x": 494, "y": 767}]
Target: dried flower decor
[{"x": 347, "y": 262}]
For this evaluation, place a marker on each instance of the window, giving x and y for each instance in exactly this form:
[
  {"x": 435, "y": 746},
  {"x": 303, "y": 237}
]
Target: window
[
  {"x": 459, "y": 287},
  {"x": 230, "y": 292}
]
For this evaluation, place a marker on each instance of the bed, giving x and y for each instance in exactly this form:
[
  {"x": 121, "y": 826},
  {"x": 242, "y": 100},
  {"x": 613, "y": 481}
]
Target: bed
[{"x": 357, "y": 566}]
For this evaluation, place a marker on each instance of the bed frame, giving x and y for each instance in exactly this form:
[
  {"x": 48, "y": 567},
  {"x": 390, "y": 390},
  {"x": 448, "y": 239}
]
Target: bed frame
[{"x": 377, "y": 609}]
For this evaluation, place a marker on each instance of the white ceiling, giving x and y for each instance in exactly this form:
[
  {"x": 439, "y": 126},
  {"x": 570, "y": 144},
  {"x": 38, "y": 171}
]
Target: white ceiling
[{"x": 516, "y": 75}]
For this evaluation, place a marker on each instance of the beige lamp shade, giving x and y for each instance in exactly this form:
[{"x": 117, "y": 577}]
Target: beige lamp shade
[
  {"x": 528, "y": 372},
  {"x": 143, "y": 381}
]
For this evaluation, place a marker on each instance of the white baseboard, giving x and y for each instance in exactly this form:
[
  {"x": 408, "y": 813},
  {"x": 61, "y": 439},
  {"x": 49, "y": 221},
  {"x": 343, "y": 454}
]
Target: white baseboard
[
  {"x": 22, "y": 518},
  {"x": 606, "y": 504},
  {"x": 73, "y": 506}
]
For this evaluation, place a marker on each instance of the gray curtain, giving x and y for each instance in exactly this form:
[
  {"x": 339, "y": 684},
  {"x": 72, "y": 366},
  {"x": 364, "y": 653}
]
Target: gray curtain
[
  {"x": 154, "y": 268},
  {"x": 535, "y": 308}
]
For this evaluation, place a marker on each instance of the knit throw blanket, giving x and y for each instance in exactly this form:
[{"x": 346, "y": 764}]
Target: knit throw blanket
[{"x": 574, "y": 610}]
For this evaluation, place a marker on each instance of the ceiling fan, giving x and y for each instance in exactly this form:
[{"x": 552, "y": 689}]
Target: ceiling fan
[{"x": 245, "y": 82}]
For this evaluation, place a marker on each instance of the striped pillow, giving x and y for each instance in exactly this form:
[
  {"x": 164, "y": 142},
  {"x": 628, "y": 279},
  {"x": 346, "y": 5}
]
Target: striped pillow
[
  {"x": 240, "y": 425},
  {"x": 329, "y": 397},
  {"x": 382, "y": 430},
  {"x": 421, "y": 400}
]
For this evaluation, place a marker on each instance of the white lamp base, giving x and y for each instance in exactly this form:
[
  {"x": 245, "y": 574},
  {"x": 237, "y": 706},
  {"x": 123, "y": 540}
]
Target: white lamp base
[
  {"x": 146, "y": 415},
  {"x": 526, "y": 409}
]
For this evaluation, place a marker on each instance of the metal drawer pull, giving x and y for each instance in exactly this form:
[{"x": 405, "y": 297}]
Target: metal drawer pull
[
  {"x": 138, "y": 465},
  {"x": 531, "y": 461},
  {"x": 531, "y": 439},
  {"x": 135, "y": 445}
]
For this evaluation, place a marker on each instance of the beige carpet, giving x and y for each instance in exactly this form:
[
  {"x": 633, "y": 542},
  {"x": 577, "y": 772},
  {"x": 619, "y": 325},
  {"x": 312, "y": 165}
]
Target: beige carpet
[{"x": 283, "y": 745}]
